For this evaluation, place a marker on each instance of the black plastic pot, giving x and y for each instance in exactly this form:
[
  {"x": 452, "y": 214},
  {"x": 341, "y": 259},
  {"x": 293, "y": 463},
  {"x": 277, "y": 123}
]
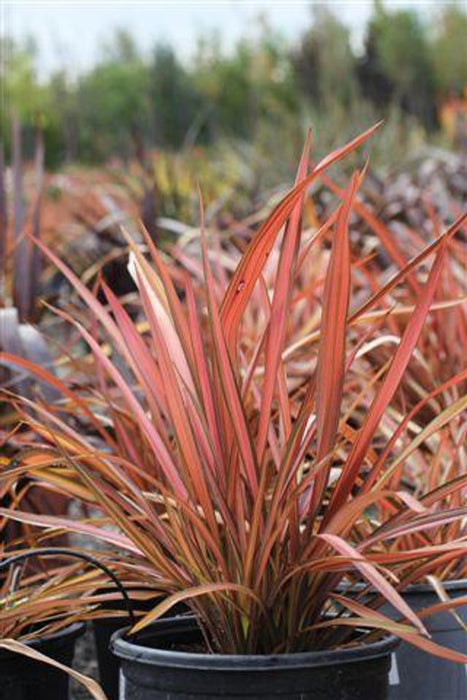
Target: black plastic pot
[
  {"x": 108, "y": 664},
  {"x": 22, "y": 678},
  {"x": 152, "y": 670},
  {"x": 104, "y": 628},
  {"x": 416, "y": 675}
]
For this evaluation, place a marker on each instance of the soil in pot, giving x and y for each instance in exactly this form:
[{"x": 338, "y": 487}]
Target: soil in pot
[
  {"x": 417, "y": 675},
  {"x": 22, "y": 678},
  {"x": 154, "y": 668}
]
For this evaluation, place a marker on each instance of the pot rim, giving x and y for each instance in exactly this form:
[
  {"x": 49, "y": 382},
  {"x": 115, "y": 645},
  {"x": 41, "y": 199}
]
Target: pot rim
[
  {"x": 132, "y": 651},
  {"x": 70, "y": 633},
  {"x": 452, "y": 585}
]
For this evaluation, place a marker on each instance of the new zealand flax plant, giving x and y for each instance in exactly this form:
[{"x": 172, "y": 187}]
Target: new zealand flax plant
[
  {"x": 224, "y": 489},
  {"x": 429, "y": 405}
]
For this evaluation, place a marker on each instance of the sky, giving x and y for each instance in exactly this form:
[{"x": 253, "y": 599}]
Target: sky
[{"x": 71, "y": 34}]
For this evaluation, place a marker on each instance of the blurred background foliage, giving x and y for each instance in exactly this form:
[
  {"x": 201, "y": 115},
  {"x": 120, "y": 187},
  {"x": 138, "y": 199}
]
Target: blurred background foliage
[{"x": 411, "y": 72}]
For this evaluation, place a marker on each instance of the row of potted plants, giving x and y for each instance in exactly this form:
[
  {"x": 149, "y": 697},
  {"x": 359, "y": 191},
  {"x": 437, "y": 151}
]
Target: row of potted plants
[{"x": 256, "y": 500}]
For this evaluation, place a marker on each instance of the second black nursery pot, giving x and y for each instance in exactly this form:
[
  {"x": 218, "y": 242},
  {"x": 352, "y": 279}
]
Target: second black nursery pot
[
  {"x": 152, "y": 668},
  {"x": 417, "y": 675},
  {"x": 23, "y": 678},
  {"x": 105, "y": 627}
]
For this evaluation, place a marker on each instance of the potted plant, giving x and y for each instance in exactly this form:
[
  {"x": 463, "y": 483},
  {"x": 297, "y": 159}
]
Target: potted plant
[
  {"x": 41, "y": 617},
  {"x": 235, "y": 496},
  {"x": 423, "y": 585},
  {"x": 429, "y": 587},
  {"x": 431, "y": 407}
]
